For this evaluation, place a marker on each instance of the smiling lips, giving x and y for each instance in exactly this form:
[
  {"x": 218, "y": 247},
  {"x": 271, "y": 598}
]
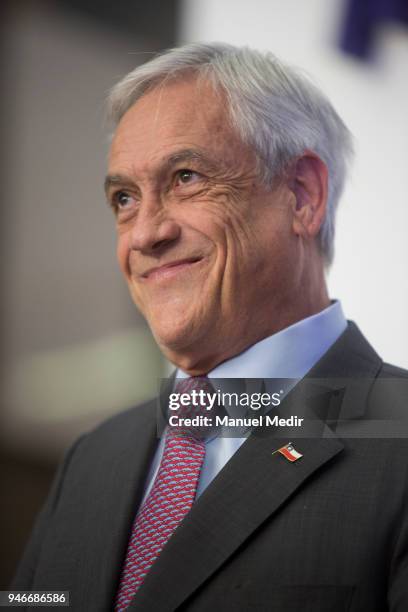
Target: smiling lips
[{"x": 171, "y": 269}]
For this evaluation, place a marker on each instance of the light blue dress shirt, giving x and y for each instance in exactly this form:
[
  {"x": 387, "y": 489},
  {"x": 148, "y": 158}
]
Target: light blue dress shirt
[{"x": 288, "y": 354}]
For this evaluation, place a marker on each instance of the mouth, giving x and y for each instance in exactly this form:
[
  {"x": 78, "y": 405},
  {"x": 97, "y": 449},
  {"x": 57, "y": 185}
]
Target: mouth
[{"x": 172, "y": 269}]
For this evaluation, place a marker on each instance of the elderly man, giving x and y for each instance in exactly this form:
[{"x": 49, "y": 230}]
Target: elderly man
[{"x": 225, "y": 171}]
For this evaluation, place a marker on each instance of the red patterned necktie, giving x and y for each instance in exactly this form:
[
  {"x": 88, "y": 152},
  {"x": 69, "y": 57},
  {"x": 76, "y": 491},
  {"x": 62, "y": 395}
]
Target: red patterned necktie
[{"x": 169, "y": 500}]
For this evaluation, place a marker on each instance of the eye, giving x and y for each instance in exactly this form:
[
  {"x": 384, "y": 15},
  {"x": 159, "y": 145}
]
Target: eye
[
  {"x": 185, "y": 176},
  {"x": 121, "y": 199}
]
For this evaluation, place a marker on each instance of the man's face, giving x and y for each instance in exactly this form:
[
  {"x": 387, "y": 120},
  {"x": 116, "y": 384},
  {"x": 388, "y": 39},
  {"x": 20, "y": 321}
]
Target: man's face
[{"x": 204, "y": 247}]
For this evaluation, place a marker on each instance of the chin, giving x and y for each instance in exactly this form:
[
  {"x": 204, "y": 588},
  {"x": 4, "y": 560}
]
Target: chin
[{"x": 175, "y": 336}]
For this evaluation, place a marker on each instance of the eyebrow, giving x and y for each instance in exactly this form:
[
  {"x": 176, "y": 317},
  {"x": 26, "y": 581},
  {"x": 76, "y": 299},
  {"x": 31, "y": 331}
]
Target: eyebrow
[
  {"x": 185, "y": 155},
  {"x": 116, "y": 179}
]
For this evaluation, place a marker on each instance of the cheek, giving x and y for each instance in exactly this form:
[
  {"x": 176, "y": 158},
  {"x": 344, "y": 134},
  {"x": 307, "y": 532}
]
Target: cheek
[
  {"x": 212, "y": 223},
  {"x": 122, "y": 253}
]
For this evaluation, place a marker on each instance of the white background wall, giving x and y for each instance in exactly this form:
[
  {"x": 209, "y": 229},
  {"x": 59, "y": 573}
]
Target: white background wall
[{"x": 369, "y": 273}]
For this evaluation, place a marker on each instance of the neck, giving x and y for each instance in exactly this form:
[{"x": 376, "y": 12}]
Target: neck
[{"x": 197, "y": 362}]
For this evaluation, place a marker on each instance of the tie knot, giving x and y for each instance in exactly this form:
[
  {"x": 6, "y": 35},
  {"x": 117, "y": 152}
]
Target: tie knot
[
  {"x": 195, "y": 385},
  {"x": 195, "y": 412}
]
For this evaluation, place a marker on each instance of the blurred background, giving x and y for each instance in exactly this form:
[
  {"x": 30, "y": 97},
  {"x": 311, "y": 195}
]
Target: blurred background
[{"x": 74, "y": 349}]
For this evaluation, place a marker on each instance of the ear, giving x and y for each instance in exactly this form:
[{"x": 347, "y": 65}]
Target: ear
[{"x": 309, "y": 184}]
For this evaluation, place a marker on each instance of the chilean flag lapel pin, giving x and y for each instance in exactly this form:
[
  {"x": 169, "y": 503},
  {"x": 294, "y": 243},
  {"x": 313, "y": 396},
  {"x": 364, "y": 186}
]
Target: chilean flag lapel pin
[{"x": 289, "y": 452}]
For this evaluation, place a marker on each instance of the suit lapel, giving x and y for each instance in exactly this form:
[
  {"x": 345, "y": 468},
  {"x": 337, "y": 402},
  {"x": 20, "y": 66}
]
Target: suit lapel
[
  {"x": 113, "y": 498},
  {"x": 250, "y": 488},
  {"x": 256, "y": 482}
]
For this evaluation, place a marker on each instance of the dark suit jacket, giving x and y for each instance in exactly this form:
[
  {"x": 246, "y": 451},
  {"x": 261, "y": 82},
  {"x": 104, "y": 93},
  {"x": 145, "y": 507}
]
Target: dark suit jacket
[{"x": 326, "y": 533}]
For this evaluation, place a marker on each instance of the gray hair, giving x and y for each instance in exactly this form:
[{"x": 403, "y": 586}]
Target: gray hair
[{"x": 274, "y": 108}]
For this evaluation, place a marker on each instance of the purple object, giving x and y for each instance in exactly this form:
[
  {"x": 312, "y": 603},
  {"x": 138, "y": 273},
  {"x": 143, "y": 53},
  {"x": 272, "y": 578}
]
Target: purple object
[{"x": 361, "y": 20}]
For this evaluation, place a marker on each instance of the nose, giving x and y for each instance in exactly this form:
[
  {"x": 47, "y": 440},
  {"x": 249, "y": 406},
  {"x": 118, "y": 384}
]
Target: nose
[{"x": 153, "y": 229}]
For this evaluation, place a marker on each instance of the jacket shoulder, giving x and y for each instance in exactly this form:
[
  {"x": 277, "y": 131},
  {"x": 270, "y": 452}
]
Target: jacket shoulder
[
  {"x": 391, "y": 371},
  {"x": 124, "y": 423}
]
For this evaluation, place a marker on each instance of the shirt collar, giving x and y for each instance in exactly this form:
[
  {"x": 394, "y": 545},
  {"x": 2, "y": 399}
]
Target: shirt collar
[{"x": 290, "y": 353}]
